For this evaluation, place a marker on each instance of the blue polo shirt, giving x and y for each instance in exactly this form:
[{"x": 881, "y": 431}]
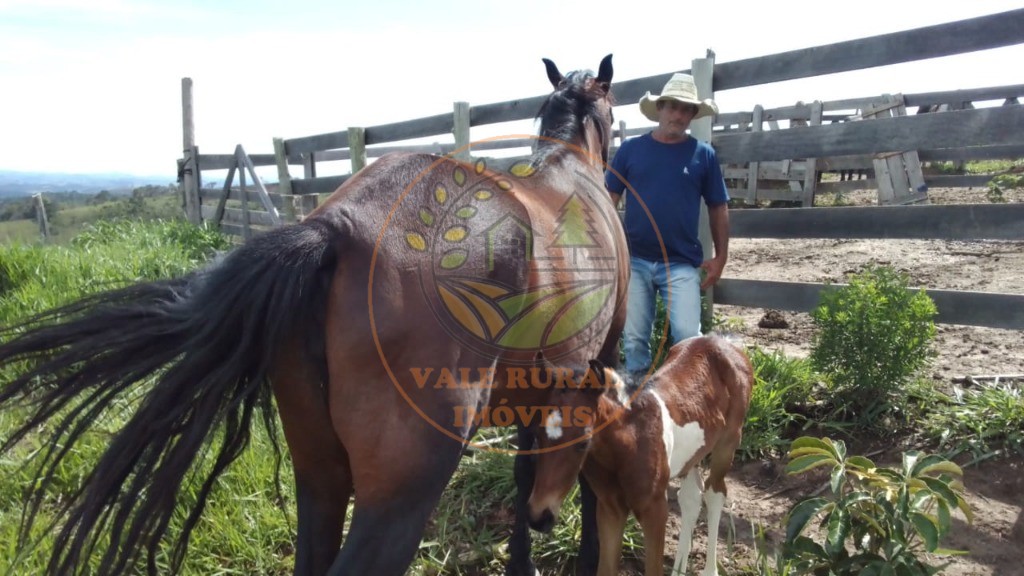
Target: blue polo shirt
[{"x": 668, "y": 180}]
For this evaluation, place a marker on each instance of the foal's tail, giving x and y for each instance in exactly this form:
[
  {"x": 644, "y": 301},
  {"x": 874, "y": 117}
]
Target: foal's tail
[{"x": 191, "y": 357}]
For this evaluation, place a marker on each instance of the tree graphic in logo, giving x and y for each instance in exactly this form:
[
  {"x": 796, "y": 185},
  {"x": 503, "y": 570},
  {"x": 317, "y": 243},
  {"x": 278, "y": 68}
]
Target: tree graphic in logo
[
  {"x": 575, "y": 226},
  {"x": 489, "y": 311}
]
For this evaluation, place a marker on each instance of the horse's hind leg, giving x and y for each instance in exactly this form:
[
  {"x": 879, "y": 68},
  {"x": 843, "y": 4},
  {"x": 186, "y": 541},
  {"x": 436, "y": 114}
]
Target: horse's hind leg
[
  {"x": 520, "y": 563},
  {"x": 400, "y": 471},
  {"x": 323, "y": 480}
]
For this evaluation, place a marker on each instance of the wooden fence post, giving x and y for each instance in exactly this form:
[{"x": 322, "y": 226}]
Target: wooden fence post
[
  {"x": 292, "y": 212},
  {"x": 190, "y": 167},
  {"x": 703, "y": 70},
  {"x": 811, "y": 174},
  {"x": 756, "y": 125},
  {"x": 357, "y": 148},
  {"x": 461, "y": 131},
  {"x": 44, "y": 222}
]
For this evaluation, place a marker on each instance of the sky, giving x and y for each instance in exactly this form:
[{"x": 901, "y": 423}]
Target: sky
[{"x": 94, "y": 86}]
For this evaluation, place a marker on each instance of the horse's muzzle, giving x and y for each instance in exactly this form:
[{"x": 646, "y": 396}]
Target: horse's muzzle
[{"x": 545, "y": 523}]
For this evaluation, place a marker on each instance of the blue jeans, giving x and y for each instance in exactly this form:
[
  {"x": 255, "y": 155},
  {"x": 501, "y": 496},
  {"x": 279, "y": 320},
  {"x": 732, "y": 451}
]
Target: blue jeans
[{"x": 679, "y": 287}]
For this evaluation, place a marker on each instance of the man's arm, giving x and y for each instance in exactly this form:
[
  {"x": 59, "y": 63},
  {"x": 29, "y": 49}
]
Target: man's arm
[{"x": 718, "y": 218}]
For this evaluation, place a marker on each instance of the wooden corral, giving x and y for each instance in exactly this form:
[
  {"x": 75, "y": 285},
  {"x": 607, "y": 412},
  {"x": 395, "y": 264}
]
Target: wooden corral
[{"x": 875, "y": 132}]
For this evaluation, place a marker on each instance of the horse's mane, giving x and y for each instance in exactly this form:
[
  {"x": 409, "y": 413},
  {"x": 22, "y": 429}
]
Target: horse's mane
[{"x": 564, "y": 112}]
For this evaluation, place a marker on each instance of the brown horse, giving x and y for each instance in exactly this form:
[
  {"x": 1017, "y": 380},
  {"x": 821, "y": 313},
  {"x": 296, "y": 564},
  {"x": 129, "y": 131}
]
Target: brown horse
[
  {"x": 693, "y": 407},
  {"x": 388, "y": 326}
]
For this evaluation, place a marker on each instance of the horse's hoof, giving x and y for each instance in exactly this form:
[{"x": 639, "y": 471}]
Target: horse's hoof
[{"x": 527, "y": 569}]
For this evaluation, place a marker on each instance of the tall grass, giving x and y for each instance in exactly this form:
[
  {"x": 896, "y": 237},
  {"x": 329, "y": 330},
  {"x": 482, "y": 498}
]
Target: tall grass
[
  {"x": 782, "y": 390},
  {"x": 248, "y": 524}
]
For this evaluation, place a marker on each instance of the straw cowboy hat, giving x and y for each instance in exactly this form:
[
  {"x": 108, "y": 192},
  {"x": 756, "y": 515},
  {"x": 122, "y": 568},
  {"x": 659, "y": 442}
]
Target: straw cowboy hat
[{"x": 681, "y": 89}]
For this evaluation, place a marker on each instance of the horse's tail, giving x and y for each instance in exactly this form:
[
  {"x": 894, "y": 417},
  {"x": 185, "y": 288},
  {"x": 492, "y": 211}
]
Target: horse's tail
[{"x": 191, "y": 357}]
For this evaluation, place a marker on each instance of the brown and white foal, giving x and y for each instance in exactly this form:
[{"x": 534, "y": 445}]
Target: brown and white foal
[{"x": 693, "y": 407}]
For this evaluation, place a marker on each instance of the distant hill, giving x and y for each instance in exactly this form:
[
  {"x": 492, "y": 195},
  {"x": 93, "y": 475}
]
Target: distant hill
[{"x": 14, "y": 184}]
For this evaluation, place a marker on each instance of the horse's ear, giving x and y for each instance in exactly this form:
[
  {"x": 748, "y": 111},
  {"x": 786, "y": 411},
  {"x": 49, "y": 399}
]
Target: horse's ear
[
  {"x": 604, "y": 73},
  {"x": 553, "y": 74}
]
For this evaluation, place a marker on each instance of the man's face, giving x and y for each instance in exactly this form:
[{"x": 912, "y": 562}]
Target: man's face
[{"x": 675, "y": 117}]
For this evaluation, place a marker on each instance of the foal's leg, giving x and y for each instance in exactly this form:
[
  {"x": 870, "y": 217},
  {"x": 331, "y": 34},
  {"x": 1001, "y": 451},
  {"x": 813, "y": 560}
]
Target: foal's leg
[
  {"x": 689, "y": 508},
  {"x": 611, "y": 523},
  {"x": 653, "y": 521},
  {"x": 323, "y": 481},
  {"x": 519, "y": 544},
  {"x": 714, "y": 497}
]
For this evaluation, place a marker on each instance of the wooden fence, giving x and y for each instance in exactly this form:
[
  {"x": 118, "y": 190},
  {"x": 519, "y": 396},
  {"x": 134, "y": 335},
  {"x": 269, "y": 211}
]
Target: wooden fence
[{"x": 825, "y": 142}]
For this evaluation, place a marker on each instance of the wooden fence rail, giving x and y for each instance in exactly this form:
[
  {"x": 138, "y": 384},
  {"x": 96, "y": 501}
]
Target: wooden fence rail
[{"x": 829, "y": 141}]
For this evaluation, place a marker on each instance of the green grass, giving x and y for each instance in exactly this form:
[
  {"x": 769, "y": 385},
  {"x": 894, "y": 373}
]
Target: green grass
[
  {"x": 68, "y": 221},
  {"x": 249, "y": 528},
  {"x": 783, "y": 387},
  {"x": 976, "y": 166},
  {"x": 984, "y": 421}
]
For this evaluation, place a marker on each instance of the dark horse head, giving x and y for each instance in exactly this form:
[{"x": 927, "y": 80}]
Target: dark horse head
[{"x": 579, "y": 98}]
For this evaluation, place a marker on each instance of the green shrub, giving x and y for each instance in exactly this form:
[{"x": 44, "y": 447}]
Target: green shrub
[
  {"x": 876, "y": 520},
  {"x": 872, "y": 337}
]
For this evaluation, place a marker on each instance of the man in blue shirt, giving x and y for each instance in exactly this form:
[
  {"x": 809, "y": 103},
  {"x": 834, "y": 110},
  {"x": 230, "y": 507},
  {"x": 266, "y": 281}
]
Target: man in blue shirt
[{"x": 664, "y": 174}]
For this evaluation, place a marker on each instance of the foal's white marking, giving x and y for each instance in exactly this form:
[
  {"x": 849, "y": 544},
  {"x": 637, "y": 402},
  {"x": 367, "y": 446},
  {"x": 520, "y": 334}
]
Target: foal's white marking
[
  {"x": 620, "y": 389},
  {"x": 681, "y": 442},
  {"x": 553, "y": 425}
]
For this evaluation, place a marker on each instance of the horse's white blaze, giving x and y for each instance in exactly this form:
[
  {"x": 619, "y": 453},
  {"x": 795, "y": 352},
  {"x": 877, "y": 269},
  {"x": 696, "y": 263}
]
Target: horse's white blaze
[
  {"x": 553, "y": 425},
  {"x": 681, "y": 442}
]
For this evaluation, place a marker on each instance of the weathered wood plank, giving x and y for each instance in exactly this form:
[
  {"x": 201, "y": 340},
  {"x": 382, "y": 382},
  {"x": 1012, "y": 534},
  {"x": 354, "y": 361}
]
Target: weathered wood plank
[
  {"x": 810, "y": 166},
  {"x": 357, "y": 148},
  {"x": 993, "y": 310},
  {"x": 520, "y": 109},
  {"x": 980, "y": 127},
  {"x": 460, "y": 113},
  {"x": 409, "y": 129},
  {"x": 1010, "y": 152},
  {"x": 261, "y": 190},
  {"x": 982, "y": 33},
  {"x": 213, "y": 195},
  {"x": 226, "y": 161},
  {"x": 944, "y": 222},
  {"x": 319, "y": 185},
  {"x": 306, "y": 144},
  {"x": 237, "y": 216},
  {"x": 965, "y": 95}
]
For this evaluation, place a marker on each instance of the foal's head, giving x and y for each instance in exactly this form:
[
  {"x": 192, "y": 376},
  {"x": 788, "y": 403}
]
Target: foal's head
[{"x": 564, "y": 434}]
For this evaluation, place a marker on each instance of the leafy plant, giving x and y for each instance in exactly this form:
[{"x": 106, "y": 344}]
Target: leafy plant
[
  {"x": 872, "y": 337},
  {"x": 876, "y": 520},
  {"x": 983, "y": 421},
  {"x": 996, "y": 185},
  {"x": 781, "y": 384}
]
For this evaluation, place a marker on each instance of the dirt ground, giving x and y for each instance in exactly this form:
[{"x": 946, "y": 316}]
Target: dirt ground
[{"x": 760, "y": 494}]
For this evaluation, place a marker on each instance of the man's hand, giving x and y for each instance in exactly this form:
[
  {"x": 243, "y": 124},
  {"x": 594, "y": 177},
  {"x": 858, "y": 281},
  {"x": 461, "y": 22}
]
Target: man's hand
[{"x": 712, "y": 271}]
